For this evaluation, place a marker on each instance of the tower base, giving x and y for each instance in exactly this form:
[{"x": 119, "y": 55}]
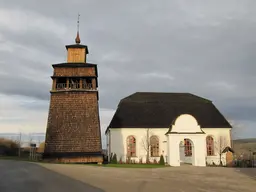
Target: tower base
[{"x": 73, "y": 157}]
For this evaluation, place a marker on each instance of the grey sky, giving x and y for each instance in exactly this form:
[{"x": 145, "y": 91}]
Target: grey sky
[{"x": 203, "y": 47}]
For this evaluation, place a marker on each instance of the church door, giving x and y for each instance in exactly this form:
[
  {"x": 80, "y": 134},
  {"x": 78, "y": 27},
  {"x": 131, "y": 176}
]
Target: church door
[{"x": 186, "y": 151}]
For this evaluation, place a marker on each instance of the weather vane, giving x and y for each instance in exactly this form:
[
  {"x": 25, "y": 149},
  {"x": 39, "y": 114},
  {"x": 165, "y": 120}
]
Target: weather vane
[
  {"x": 77, "y": 35},
  {"x": 78, "y": 22}
]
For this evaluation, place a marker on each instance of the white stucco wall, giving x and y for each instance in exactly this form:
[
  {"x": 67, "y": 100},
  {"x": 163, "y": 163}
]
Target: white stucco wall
[
  {"x": 186, "y": 124},
  {"x": 116, "y": 142}
]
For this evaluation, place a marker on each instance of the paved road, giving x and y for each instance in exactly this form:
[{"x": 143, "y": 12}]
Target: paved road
[
  {"x": 16, "y": 176},
  {"x": 31, "y": 177},
  {"x": 251, "y": 172},
  {"x": 177, "y": 179}
]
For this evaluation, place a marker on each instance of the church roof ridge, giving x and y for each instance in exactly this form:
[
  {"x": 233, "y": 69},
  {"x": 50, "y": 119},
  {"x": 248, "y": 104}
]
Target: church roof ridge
[
  {"x": 164, "y": 97},
  {"x": 158, "y": 110}
]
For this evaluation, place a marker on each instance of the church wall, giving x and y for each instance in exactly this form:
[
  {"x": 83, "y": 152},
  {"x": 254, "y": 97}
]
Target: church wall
[
  {"x": 117, "y": 143},
  {"x": 221, "y": 137}
]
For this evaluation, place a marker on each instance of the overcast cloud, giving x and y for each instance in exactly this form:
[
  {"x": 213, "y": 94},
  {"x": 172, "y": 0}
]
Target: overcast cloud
[{"x": 203, "y": 47}]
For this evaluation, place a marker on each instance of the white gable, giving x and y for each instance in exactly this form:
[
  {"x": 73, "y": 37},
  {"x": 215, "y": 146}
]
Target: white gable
[{"x": 186, "y": 124}]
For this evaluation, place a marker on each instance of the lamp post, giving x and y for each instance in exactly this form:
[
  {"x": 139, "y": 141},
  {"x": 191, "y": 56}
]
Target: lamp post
[
  {"x": 166, "y": 153},
  {"x": 250, "y": 151},
  {"x": 19, "y": 143}
]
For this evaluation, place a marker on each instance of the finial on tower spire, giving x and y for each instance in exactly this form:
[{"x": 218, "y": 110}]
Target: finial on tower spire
[{"x": 77, "y": 34}]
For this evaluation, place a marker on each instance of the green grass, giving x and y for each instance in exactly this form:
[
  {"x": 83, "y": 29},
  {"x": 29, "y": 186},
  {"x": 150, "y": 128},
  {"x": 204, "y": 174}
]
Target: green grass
[
  {"x": 132, "y": 165},
  {"x": 16, "y": 158},
  {"x": 106, "y": 165}
]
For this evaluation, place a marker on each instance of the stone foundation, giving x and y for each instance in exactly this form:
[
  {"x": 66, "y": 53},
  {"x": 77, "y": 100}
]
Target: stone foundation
[{"x": 93, "y": 159}]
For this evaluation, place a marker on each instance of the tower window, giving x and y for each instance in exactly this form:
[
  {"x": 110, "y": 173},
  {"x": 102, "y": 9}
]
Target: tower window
[
  {"x": 87, "y": 83},
  {"x": 74, "y": 83},
  {"x": 61, "y": 83}
]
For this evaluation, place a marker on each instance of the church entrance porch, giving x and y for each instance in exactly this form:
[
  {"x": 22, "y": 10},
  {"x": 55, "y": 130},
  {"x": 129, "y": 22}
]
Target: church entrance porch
[
  {"x": 186, "y": 142},
  {"x": 186, "y": 149}
]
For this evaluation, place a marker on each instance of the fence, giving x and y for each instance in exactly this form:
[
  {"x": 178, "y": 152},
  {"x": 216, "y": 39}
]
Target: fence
[
  {"x": 124, "y": 159},
  {"x": 244, "y": 160},
  {"x": 244, "y": 163}
]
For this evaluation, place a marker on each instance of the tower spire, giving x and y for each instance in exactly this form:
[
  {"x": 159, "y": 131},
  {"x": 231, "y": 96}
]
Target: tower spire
[{"x": 77, "y": 34}]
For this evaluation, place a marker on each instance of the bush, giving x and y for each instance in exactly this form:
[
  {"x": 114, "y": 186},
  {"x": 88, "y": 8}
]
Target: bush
[
  {"x": 8, "y": 143},
  {"x": 111, "y": 157},
  {"x": 128, "y": 160},
  {"x": 41, "y": 147},
  {"x": 120, "y": 160},
  {"x": 162, "y": 160},
  {"x": 8, "y": 147},
  {"x": 114, "y": 159}
]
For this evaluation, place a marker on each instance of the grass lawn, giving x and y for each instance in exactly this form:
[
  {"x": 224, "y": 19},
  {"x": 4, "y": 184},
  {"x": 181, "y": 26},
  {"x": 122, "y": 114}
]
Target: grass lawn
[
  {"x": 16, "y": 158},
  {"x": 132, "y": 165},
  {"x": 102, "y": 165}
]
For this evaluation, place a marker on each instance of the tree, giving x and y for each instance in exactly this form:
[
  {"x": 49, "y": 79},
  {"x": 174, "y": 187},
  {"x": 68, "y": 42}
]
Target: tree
[
  {"x": 162, "y": 160},
  {"x": 19, "y": 143},
  {"x": 9, "y": 146},
  {"x": 220, "y": 144},
  {"x": 236, "y": 127},
  {"x": 146, "y": 144},
  {"x": 30, "y": 137},
  {"x": 111, "y": 158},
  {"x": 114, "y": 159},
  {"x": 41, "y": 147},
  {"x": 8, "y": 143}
]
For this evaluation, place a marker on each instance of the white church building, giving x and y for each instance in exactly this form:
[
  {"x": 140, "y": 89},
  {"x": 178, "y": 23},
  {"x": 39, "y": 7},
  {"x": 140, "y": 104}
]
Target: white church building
[{"x": 182, "y": 127}]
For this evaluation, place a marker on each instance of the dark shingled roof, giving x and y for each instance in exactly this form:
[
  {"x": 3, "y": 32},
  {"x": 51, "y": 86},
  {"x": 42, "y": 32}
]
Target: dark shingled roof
[
  {"x": 159, "y": 110},
  {"x": 76, "y": 65},
  {"x": 228, "y": 149}
]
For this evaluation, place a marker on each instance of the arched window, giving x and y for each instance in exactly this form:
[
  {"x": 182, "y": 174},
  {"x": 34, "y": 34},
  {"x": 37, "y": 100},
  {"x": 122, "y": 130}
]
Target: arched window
[
  {"x": 131, "y": 146},
  {"x": 210, "y": 145},
  {"x": 187, "y": 147},
  {"x": 154, "y": 146}
]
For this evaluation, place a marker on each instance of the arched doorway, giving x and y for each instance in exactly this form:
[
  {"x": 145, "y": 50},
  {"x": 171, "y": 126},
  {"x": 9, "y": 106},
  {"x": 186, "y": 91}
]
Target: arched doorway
[{"x": 186, "y": 148}]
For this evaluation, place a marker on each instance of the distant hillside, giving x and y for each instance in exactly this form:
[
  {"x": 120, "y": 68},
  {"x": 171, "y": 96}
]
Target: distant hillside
[
  {"x": 244, "y": 146},
  {"x": 251, "y": 140}
]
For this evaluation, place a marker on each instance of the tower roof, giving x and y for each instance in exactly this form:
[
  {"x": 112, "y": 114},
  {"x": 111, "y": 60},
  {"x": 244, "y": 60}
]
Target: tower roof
[{"x": 78, "y": 40}]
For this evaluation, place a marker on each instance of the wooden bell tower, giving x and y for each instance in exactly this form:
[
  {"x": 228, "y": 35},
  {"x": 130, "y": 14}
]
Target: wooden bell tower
[{"x": 73, "y": 130}]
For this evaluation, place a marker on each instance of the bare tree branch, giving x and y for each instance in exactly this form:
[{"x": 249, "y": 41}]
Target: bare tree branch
[
  {"x": 146, "y": 143},
  {"x": 220, "y": 144}
]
